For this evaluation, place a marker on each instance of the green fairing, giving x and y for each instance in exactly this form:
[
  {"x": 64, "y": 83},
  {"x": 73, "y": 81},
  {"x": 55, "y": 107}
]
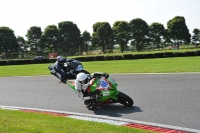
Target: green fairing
[{"x": 113, "y": 90}]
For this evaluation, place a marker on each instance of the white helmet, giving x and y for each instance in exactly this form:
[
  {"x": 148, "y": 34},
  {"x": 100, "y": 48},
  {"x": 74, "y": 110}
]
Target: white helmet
[{"x": 82, "y": 78}]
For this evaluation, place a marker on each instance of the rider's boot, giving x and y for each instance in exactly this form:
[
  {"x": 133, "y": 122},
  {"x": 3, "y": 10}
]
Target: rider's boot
[{"x": 89, "y": 103}]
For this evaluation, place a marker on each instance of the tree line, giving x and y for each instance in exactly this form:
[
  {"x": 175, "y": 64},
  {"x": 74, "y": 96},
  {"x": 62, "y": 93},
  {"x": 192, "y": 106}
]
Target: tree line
[{"x": 67, "y": 39}]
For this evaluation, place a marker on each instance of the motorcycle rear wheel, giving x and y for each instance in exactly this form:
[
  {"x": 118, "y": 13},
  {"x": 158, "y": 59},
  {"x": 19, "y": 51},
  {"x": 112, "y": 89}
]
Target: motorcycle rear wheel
[{"x": 125, "y": 99}]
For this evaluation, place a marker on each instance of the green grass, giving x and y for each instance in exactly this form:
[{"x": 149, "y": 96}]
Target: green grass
[
  {"x": 25, "y": 122},
  {"x": 159, "y": 65}
]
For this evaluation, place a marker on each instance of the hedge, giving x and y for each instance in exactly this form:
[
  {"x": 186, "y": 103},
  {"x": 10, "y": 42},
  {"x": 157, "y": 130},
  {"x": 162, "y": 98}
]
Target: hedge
[
  {"x": 128, "y": 56},
  {"x": 99, "y": 58},
  {"x": 18, "y": 62},
  {"x": 10, "y": 62},
  {"x": 89, "y": 58},
  {"x": 158, "y": 55},
  {"x": 2, "y": 63},
  {"x": 35, "y": 61},
  {"x": 178, "y": 54},
  {"x": 80, "y": 58},
  {"x": 189, "y": 53},
  {"x": 117, "y": 57},
  {"x": 168, "y": 54},
  {"x": 52, "y": 60},
  {"x": 148, "y": 56},
  {"x": 108, "y": 57},
  {"x": 197, "y": 53},
  {"x": 138, "y": 56}
]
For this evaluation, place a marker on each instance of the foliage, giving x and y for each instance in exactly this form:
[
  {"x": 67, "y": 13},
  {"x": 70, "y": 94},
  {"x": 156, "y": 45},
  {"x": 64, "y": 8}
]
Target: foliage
[
  {"x": 178, "y": 31},
  {"x": 8, "y": 41},
  {"x": 50, "y": 38},
  {"x": 70, "y": 37},
  {"x": 196, "y": 37},
  {"x": 66, "y": 39},
  {"x": 86, "y": 41},
  {"x": 34, "y": 36},
  {"x": 102, "y": 36},
  {"x": 156, "y": 34},
  {"x": 121, "y": 34},
  {"x": 139, "y": 31}
]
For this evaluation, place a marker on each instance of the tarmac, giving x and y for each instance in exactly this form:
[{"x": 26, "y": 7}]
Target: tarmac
[{"x": 110, "y": 120}]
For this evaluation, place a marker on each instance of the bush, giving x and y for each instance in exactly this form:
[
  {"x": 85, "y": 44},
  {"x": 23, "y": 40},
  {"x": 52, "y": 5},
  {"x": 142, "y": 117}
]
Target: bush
[
  {"x": 80, "y": 59},
  {"x": 44, "y": 60},
  {"x": 188, "y": 53},
  {"x": 128, "y": 56},
  {"x": 138, "y": 56},
  {"x": 108, "y": 57},
  {"x": 89, "y": 58},
  {"x": 26, "y": 61},
  {"x": 197, "y": 53},
  {"x": 10, "y": 62},
  {"x": 117, "y": 57},
  {"x": 35, "y": 61},
  {"x": 148, "y": 56},
  {"x": 158, "y": 55},
  {"x": 168, "y": 54},
  {"x": 52, "y": 60},
  {"x": 18, "y": 62},
  {"x": 2, "y": 63},
  {"x": 178, "y": 54},
  {"x": 99, "y": 58}
]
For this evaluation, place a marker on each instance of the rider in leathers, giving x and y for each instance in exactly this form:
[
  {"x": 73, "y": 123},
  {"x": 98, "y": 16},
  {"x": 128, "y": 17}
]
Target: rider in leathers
[
  {"x": 58, "y": 67},
  {"x": 82, "y": 82}
]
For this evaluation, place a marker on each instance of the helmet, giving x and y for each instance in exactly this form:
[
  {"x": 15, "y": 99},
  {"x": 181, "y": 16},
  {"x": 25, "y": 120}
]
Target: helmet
[
  {"x": 82, "y": 78},
  {"x": 60, "y": 59}
]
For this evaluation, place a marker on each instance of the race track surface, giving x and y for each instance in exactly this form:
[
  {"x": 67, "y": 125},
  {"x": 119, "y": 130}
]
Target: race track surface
[{"x": 171, "y": 99}]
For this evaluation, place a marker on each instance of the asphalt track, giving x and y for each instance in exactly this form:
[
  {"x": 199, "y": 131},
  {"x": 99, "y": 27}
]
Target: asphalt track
[{"x": 171, "y": 99}]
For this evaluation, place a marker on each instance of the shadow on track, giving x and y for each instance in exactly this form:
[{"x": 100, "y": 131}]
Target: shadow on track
[{"x": 115, "y": 110}]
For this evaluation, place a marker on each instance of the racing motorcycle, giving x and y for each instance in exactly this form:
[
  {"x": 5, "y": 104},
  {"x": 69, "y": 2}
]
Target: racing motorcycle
[
  {"x": 104, "y": 91},
  {"x": 70, "y": 65}
]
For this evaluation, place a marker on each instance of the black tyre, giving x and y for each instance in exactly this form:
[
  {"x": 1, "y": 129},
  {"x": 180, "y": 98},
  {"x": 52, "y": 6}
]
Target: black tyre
[{"x": 124, "y": 99}]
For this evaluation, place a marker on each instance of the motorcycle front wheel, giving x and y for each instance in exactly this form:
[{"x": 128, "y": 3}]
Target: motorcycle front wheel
[{"x": 125, "y": 99}]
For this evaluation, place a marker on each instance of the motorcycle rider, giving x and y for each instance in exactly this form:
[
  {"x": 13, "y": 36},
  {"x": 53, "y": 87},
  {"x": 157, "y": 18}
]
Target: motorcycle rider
[
  {"x": 82, "y": 82},
  {"x": 58, "y": 67}
]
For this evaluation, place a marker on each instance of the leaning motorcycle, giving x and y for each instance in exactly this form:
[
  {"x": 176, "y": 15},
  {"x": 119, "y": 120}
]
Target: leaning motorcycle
[
  {"x": 104, "y": 91},
  {"x": 73, "y": 65}
]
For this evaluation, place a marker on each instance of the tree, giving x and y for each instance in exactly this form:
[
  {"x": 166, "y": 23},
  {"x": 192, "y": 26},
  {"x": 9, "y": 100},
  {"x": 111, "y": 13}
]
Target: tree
[
  {"x": 196, "y": 36},
  {"x": 70, "y": 37},
  {"x": 121, "y": 34},
  {"x": 139, "y": 31},
  {"x": 22, "y": 43},
  {"x": 102, "y": 36},
  {"x": 178, "y": 31},
  {"x": 50, "y": 38},
  {"x": 8, "y": 42},
  {"x": 86, "y": 41},
  {"x": 23, "y": 47},
  {"x": 156, "y": 33},
  {"x": 34, "y": 36}
]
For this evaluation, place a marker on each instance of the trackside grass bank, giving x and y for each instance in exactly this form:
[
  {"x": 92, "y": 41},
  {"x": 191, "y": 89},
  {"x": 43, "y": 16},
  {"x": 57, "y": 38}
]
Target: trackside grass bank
[
  {"x": 158, "y": 65},
  {"x": 26, "y": 122}
]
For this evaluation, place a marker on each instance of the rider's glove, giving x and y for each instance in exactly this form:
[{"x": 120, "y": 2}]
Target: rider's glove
[{"x": 106, "y": 75}]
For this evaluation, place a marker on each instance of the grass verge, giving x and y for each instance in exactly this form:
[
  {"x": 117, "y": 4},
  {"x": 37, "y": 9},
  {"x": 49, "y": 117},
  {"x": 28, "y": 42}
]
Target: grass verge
[
  {"x": 26, "y": 122},
  {"x": 158, "y": 65}
]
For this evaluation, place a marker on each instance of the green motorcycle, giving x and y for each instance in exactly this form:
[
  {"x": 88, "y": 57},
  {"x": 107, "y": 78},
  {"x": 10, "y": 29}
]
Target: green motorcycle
[{"x": 104, "y": 91}]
